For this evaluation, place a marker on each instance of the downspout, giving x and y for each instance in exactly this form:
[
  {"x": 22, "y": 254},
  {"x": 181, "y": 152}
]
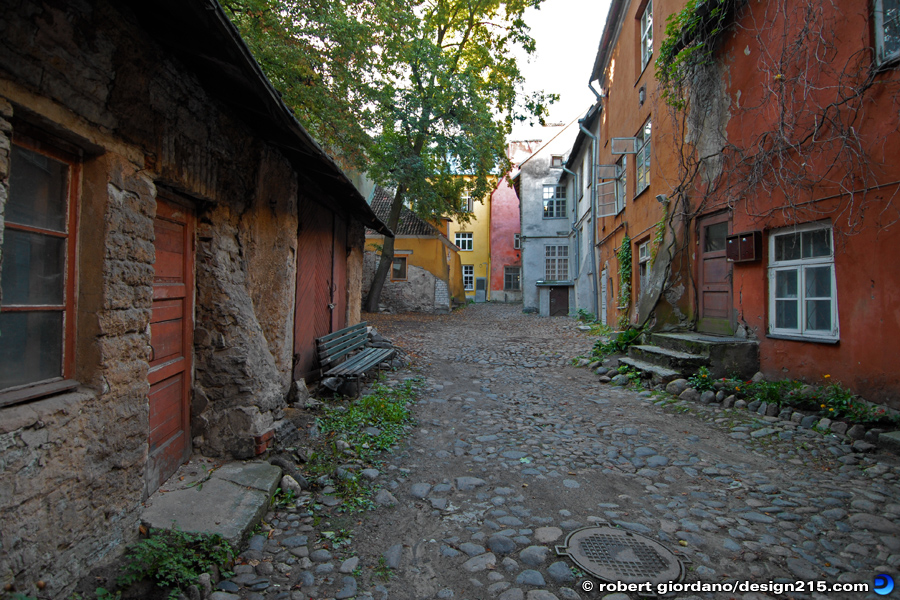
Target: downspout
[{"x": 594, "y": 159}]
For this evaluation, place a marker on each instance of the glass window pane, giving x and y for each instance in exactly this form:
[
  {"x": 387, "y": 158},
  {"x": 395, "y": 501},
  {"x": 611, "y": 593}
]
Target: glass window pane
[
  {"x": 33, "y": 269},
  {"x": 715, "y": 237},
  {"x": 817, "y": 243},
  {"x": 891, "y": 21},
  {"x": 786, "y": 314},
  {"x": 787, "y": 247},
  {"x": 818, "y": 315},
  {"x": 818, "y": 282},
  {"x": 37, "y": 190},
  {"x": 786, "y": 284},
  {"x": 30, "y": 347}
]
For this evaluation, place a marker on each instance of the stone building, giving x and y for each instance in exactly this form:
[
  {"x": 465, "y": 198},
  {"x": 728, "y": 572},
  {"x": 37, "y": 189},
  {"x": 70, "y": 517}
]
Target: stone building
[{"x": 171, "y": 243}]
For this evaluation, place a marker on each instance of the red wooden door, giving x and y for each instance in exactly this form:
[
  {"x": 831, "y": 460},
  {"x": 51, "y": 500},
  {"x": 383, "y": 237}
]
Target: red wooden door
[
  {"x": 315, "y": 279},
  {"x": 171, "y": 328},
  {"x": 714, "y": 276}
]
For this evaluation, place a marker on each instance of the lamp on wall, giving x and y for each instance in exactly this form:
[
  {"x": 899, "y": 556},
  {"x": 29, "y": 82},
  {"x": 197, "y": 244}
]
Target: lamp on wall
[
  {"x": 642, "y": 95},
  {"x": 662, "y": 199}
]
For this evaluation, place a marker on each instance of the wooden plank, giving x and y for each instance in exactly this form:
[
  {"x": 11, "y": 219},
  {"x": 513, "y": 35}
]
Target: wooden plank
[
  {"x": 341, "y": 332},
  {"x": 36, "y": 391},
  {"x": 166, "y": 339},
  {"x": 341, "y": 343},
  {"x": 362, "y": 362},
  {"x": 161, "y": 291},
  {"x": 167, "y": 310}
]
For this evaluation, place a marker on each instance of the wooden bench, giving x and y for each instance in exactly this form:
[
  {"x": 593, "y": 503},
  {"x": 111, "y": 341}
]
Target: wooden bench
[{"x": 340, "y": 344}]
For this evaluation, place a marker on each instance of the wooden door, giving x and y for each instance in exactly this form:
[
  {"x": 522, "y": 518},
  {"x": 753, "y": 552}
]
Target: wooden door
[
  {"x": 315, "y": 285},
  {"x": 714, "y": 276},
  {"x": 559, "y": 301},
  {"x": 171, "y": 339},
  {"x": 339, "y": 275}
]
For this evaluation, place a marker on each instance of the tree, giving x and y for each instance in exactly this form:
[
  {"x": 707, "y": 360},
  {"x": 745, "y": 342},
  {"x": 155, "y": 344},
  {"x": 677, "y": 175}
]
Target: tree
[{"x": 415, "y": 92}]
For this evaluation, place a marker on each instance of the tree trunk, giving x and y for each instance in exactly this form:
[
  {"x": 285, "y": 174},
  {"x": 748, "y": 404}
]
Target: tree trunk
[{"x": 387, "y": 254}]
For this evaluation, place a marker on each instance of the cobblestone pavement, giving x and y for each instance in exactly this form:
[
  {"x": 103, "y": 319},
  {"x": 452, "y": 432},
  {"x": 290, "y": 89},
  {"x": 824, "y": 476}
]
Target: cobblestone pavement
[{"x": 515, "y": 448}]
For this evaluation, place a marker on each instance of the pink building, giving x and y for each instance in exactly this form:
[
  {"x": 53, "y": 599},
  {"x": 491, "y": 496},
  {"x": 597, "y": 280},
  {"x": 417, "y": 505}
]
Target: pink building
[{"x": 506, "y": 260}]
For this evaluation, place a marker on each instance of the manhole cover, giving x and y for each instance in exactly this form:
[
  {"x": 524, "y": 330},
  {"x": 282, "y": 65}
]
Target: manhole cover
[{"x": 619, "y": 555}]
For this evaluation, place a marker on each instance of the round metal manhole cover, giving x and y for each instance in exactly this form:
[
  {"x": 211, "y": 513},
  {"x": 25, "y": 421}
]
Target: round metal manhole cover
[{"x": 620, "y": 555}]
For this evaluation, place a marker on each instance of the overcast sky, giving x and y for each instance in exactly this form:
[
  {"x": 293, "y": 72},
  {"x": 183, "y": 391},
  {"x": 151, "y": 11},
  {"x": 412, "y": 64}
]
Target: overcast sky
[{"x": 567, "y": 33}]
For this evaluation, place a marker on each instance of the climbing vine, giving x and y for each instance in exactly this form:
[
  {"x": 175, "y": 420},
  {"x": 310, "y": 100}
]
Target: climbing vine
[{"x": 624, "y": 257}]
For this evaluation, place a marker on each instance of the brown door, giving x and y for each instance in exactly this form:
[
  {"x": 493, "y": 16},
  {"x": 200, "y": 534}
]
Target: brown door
[
  {"x": 171, "y": 327},
  {"x": 316, "y": 285},
  {"x": 559, "y": 301},
  {"x": 714, "y": 276}
]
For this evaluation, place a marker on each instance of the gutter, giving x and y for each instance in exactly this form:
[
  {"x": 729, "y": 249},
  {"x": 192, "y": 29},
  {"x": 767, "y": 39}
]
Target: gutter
[{"x": 594, "y": 161}]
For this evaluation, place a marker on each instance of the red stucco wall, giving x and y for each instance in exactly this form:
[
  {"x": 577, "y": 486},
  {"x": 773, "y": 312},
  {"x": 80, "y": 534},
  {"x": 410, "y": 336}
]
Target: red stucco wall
[{"x": 504, "y": 225}]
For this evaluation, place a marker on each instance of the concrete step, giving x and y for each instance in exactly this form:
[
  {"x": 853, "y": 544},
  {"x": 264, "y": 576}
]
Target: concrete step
[
  {"x": 230, "y": 501},
  {"x": 684, "y": 362},
  {"x": 727, "y": 355},
  {"x": 657, "y": 373}
]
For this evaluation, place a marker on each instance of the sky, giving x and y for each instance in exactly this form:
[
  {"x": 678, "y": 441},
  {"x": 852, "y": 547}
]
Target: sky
[{"x": 567, "y": 34}]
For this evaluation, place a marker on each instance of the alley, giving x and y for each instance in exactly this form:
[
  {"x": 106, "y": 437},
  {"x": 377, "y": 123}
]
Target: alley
[{"x": 514, "y": 448}]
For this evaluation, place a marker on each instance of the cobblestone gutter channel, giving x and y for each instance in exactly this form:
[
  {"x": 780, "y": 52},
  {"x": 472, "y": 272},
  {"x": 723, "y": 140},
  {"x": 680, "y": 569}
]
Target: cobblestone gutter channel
[{"x": 515, "y": 449}]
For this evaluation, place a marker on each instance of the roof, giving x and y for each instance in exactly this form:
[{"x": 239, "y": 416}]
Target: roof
[
  {"x": 410, "y": 223},
  {"x": 545, "y": 144},
  {"x": 608, "y": 39},
  {"x": 588, "y": 121},
  {"x": 200, "y": 34}
]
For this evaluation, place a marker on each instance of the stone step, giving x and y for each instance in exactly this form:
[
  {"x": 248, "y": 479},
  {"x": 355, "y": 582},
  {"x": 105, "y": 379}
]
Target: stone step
[
  {"x": 727, "y": 355},
  {"x": 684, "y": 362},
  {"x": 657, "y": 373}
]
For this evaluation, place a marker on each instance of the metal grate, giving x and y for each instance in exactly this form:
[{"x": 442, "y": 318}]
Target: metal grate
[{"x": 619, "y": 555}]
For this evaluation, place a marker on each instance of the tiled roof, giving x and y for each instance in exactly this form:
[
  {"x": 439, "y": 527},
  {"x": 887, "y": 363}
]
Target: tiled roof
[{"x": 409, "y": 224}]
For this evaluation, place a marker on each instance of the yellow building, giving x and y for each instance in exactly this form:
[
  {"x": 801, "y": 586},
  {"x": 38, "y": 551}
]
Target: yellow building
[{"x": 474, "y": 242}]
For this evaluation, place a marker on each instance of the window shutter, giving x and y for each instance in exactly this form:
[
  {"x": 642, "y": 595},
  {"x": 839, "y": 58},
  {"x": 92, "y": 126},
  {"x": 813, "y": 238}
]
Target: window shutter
[
  {"x": 605, "y": 171},
  {"x": 625, "y": 145},
  {"x": 606, "y": 199}
]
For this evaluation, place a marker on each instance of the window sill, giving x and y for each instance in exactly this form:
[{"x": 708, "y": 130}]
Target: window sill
[
  {"x": 554, "y": 218},
  {"x": 43, "y": 409},
  {"x": 641, "y": 193},
  {"x": 801, "y": 338},
  {"x": 30, "y": 393}
]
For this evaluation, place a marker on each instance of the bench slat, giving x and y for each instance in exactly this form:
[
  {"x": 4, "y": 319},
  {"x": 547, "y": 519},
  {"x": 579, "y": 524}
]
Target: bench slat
[
  {"x": 344, "y": 331},
  {"x": 362, "y": 362},
  {"x": 337, "y": 350}
]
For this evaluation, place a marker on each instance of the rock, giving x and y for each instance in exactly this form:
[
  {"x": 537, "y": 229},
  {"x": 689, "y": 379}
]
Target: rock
[
  {"x": 534, "y": 555},
  {"x": 740, "y": 403},
  {"x": 802, "y": 569},
  {"x": 729, "y": 401},
  {"x": 223, "y": 596},
  {"x": 707, "y": 397},
  {"x": 545, "y": 535},
  {"x": 839, "y": 428},
  {"x": 530, "y": 577},
  {"x": 758, "y": 377},
  {"x": 385, "y": 498},
  {"x": 603, "y": 379},
  {"x": 754, "y": 405},
  {"x": 228, "y": 586},
  {"x": 419, "y": 490},
  {"x": 392, "y": 556},
  {"x": 501, "y": 544},
  {"x": 370, "y": 474},
  {"x": 295, "y": 541},
  {"x": 349, "y": 565},
  {"x": 540, "y": 595},
  {"x": 560, "y": 572},
  {"x": 601, "y": 370},
  {"x": 620, "y": 380},
  {"x": 513, "y": 594},
  {"x": 857, "y": 432},
  {"x": 874, "y": 523},
  {"x": 677, "y": 386},
  {"x": 471, "y": 549},
  {"x": 320, "y": 556},
  {"x": 809, "y": 421},
  {"x": 289, "y": 484},
  {"x": 466, "y": 484},
  {"x": 348, "y": 589},
  {"x": 824, "y": 424},
  {"x": 863, "y": 447},
  {"x": 480, "y": 563},
  {"x": 690, "y": 394}
]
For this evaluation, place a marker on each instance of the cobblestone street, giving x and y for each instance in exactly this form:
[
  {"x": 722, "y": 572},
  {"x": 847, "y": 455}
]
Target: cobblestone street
[{"x": 514, "y": 448}]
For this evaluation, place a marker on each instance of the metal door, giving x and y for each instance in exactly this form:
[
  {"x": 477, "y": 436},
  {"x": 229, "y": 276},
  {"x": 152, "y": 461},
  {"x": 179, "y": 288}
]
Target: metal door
[
  {"x": 171, "y": 340},
  {"x": 480, "y": 289},
  {"x": 559, "y": 301},
  {"x": 714, "y": 276}
]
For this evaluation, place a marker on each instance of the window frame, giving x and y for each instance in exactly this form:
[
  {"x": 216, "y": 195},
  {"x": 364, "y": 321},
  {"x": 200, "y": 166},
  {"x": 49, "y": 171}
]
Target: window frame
[
  {"x": 64, "y": 381},
  {"x": 621, "y": 182},
  {"x": 517, "y": 273},
  {"x": 646, "y": 31},
  {"x": 643, "y": 254},
  {"x": 642, "y": 158},
  {"x": 556, "y": 161},
  {"x": 470, "y": 286},
  {"x": 558, "y": 203},
  {"x": 468, "y": 204},
  {"x": 405, "y": 268},
  {"x": 465, "y": 236},
  {"x": 800, "y": 266},
  {"x": 879, "y": 28},
  {"x": 552, "y": 255}
]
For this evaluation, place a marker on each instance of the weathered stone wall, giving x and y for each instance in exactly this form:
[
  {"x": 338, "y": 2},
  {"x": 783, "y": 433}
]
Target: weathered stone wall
[{"x": 416, "y": 294}]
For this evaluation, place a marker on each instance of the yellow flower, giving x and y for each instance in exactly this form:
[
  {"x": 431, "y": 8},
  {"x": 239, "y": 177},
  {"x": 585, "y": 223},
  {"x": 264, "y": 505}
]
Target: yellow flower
[
  {"x": 822, "y": 405},
  {"x": 827, "y": 376},
  {"x": 831, "y": 409}
]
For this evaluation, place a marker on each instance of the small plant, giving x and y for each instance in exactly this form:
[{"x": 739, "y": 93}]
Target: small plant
[
  {"x": 619, "y": 345},
  {"x": 701, "y": 381},
  {"x": 383, "y": 571},
  {"x": 633, "y": 376},
  {"x": 174, "y": 559},
  {"x": 772, "y": 392},
  {"x": 284, "y": 498}
]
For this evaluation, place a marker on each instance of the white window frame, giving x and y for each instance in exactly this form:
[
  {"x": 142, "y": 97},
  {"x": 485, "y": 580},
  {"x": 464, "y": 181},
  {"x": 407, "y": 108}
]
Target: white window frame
[
  {"x": 883, "y": 56},
  {"x": 556, "y": 161},
  {"x": 468, "y": 275},
  {"x": 621, "y": 182},
  {"x": 515, "y": 272},
  {"x": 642, "y": 160},
  {"x": 400, "y": 260},
  {"x": 553, "y": 200},
  {"x": 644, "y": 265},
  {"x": 468, "y": 204},
  {"x": 801, "y": 266},
  {"x": 464, "y": 241},
  {"x": 646, "y": 35},
  {"x": 556, "y": 263}
]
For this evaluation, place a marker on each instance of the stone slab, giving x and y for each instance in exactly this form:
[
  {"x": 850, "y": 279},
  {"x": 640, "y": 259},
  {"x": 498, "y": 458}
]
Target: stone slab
[
  {"x": 257, "y": 475},
  {"x": 218, "y": 506}
]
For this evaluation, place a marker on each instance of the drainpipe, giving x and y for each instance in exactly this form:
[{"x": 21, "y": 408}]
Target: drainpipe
[{"x": 594, "y": 159}]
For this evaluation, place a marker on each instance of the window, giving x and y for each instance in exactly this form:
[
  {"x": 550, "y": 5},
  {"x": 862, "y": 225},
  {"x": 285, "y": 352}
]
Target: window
[
  {"x": 398, "y": 269},
  {"x": 802, "y": 290},
  {"x": 554, "y": 202},
  {"x": 37, "y": 319},
  {"x": 556, "y": 161},
  {"x": 887, "y": 30},
  {"x": 468, "y": 204},
  {"x": 644, "y": 265},
  {"x": 643, "y": 159},
  {"x": 517, "y": 241},
  {"x": 621, "y": 183},
  {"x": 512, "y": 279},
  {"x": 464, "y": 241},
  {"x": 468, "y": 277},
  {"x": 557, "y": 263},
  {"x": 646, "y": 35}
]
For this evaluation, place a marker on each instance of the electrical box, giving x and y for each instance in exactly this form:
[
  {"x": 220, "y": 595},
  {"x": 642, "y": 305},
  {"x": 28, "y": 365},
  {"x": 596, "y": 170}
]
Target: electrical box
[{"x": 744, "y": 247}]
